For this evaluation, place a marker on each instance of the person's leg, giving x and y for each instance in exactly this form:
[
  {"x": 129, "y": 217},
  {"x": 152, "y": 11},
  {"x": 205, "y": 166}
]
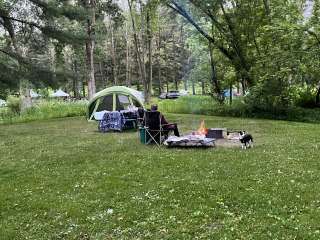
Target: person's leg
[
  {"x": 176, "y": 130},
  {"x": 172, "y": 127}
]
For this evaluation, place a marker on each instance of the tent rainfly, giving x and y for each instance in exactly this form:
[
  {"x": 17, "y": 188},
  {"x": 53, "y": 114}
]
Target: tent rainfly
[
  {"x": 114, "y": 99},
  {"x": 60, "y": 93}
]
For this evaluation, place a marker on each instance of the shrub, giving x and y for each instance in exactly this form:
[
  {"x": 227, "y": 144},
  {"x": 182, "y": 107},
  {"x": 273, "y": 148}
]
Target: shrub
[
  {"x": 305, "y": 98},
  {"x": 13, "y": 104}
]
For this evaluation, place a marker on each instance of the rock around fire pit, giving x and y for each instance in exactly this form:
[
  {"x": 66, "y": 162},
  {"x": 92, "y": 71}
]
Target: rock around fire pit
[{"x": 190, "y": 141}]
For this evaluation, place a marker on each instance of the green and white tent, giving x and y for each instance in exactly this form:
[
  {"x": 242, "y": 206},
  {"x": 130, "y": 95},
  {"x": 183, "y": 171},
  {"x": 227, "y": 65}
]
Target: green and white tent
[{"x": 115, "y": 98}]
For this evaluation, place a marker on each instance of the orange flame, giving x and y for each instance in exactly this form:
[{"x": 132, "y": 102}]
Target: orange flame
[{"x": 202, "y": 129}]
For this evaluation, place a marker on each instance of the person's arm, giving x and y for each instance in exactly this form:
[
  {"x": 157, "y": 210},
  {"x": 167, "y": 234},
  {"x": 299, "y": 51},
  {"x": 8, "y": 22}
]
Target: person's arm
[{"x": 163, "y": 120}]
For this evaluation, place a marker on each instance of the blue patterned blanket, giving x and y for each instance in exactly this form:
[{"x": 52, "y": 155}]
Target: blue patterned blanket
[{"x": 112, "y": 121}]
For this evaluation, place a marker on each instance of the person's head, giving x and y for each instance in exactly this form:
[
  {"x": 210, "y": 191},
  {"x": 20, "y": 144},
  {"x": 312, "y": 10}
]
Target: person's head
[{"x": 154, "y": 107}]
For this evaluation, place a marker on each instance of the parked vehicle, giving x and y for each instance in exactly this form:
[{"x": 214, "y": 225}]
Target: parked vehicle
[
  {"x": 163, "y": 96},
  {"x": 170, "y": 95}
]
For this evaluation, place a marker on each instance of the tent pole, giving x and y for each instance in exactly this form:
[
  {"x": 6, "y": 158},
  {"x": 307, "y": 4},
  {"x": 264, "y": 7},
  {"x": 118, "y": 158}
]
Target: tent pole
[
  {"x": 95, "y": 108},
  {"x": 114, "y": 102}
]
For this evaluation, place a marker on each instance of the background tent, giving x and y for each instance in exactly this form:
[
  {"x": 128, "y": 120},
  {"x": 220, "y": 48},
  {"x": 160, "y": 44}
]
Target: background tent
[
  {"x": 114, "y": 99},
  {"x": 2, "y": 103},
  {"x": 60, "y": 93}
]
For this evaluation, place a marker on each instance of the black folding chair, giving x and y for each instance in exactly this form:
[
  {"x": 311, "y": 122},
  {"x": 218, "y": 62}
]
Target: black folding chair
[
  {"x": 140, "y": 117},
  {"x": 153, "y": 128}
]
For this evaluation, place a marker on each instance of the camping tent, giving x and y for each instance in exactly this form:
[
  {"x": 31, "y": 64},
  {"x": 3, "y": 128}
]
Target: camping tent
[
  {"x": 60, "y": 93},
  {"x": 2, "y": 103},
  {"x": 114, "y": 99}
]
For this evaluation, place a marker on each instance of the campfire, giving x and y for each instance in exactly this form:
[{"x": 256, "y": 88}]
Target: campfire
[
  {"x": 204, "y": 137},
  {"x": 195, "y": 139},
  {"x": 202, "y": 129}
]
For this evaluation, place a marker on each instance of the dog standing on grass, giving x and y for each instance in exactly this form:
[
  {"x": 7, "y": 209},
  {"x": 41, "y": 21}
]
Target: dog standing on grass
[{"x": 246, "y": 140}]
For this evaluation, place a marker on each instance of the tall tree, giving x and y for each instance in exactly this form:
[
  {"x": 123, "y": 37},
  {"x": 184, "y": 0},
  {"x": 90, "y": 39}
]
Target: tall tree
[{"x": 90, "y": 44}]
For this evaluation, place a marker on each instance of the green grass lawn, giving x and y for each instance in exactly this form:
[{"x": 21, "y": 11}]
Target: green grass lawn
[{"x": 61, "y": 179}]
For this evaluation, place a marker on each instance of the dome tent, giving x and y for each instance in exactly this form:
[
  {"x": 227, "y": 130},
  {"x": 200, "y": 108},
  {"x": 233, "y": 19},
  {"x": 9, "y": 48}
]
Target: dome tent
[
  {"x": 113, "y": 99},
  {"x": 60, "y": 93}
]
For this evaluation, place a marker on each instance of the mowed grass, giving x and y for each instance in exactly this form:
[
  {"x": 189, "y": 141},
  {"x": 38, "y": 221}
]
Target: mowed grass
[{"x": 61, "y": 179}]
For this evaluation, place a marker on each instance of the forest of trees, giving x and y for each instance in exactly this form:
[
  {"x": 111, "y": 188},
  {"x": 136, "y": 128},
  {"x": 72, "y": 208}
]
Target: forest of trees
[{"x": 268, "y": 49}]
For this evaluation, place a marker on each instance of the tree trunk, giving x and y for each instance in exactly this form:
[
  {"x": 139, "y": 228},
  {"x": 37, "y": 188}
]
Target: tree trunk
[
  {"x": 214, "y": 80},
  {"x": 25, "y": 92},
  {"x": 90, "y": 44},
  {"x": 230, "y": 92},
  {"x": 149, "y": 33},
  {"x": 114, "y": 58},
  {"x": 166, "y": 69},
  {"x": 186, "y": 79},
  {"x": 136, "y": 45},
  {"x": 103, "y": 81},
  {"x": 185, "y": 84},
  {"x": 159, "y": 59},
  {"x": 193, "y": 88},
  {"x": 176, "y": 84},
  {"x": 143, "y": 54},
  {"x": 83, "y": 90},
  {"x": 203, "y": 88},
  {"x": 128, "y": 81},
  {"x": 75, "y": 86},
  {"x": 266, "y": 8}
]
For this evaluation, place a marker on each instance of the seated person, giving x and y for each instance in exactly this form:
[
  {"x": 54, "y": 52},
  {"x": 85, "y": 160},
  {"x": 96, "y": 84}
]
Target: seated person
[{"x": 165, "y": 124}]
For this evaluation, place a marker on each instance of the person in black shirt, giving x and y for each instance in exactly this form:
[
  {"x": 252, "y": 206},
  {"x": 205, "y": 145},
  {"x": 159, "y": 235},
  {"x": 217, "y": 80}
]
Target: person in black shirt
[{"x": 165, "y": 124}]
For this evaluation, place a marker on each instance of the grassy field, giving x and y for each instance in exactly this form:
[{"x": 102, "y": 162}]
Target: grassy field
[{"x": 61, "y": 179}]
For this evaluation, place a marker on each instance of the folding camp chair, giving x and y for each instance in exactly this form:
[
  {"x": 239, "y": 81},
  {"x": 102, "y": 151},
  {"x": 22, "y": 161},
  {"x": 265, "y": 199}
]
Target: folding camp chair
[
  {"x": 153, "y": 129},
  {"x": 140, "y": 117}
]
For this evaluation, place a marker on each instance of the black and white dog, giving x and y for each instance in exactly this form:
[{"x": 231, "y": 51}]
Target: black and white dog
[{"x": 246, "y": 140}]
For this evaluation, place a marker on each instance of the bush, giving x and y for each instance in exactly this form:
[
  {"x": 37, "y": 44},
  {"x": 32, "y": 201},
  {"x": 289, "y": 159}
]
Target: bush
[
  {"x": 13, "y": 104},
  {"x": 305, "y": 99}
]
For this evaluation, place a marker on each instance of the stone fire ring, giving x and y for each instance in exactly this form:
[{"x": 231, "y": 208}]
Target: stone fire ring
[{"x": 199, "y": 141}]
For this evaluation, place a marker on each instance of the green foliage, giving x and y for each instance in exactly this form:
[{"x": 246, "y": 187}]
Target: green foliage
[
  {"x": 304, "y": 97},
  {"x": 13, "y": 104},
  {"x": 45, "y": 110}
]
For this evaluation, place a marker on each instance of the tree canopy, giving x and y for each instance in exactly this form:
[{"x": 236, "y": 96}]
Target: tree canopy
[{"x": 267, "y": 50}]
